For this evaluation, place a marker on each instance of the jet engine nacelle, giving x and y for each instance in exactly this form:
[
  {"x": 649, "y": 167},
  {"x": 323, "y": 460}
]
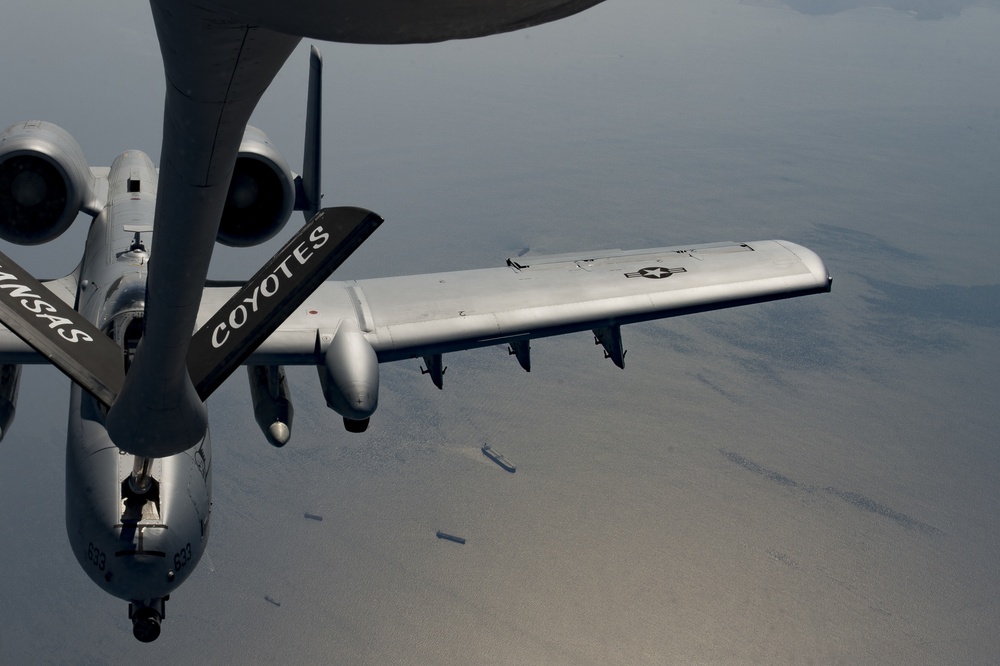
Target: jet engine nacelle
[
  {"x": 261, "y": 193},
  {"x": 44, "y": 182},
  {"x": 349, "y": 376}
]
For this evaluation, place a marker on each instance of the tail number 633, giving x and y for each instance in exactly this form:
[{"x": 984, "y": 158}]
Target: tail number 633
[{"x": 182, "y": 558}]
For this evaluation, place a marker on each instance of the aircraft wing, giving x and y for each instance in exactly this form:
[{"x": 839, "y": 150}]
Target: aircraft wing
[{"x": 533, "y": 297}]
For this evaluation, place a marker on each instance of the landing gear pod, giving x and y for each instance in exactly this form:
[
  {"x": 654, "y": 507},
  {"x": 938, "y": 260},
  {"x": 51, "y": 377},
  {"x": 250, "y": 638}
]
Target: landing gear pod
[{"x": 349, "y": 376}]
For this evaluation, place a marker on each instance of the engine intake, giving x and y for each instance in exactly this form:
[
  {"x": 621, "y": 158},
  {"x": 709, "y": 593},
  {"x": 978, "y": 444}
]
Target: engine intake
[
  {"x": 261, "y": 193},
  {"x": 44, "y": 182}
]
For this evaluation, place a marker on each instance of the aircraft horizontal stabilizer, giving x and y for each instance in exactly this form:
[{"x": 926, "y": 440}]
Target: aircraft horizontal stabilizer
[
  {"x": 59, "y": 333},
  {"x": 277, "y": 289}
]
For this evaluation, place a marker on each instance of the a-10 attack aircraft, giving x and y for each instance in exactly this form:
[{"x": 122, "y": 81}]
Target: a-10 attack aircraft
[{"x": 138, "y": 473}]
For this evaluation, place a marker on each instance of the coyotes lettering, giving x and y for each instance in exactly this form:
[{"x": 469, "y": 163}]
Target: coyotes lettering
[{"x": 268, "y": 287}]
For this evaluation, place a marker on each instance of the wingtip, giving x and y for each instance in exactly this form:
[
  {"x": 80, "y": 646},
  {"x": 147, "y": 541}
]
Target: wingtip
[{"x": 812, "y": 261}]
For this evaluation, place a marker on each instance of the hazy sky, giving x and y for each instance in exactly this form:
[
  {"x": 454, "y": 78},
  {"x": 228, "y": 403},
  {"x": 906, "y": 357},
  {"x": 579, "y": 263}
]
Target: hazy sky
[{"x": 813, "y": 480}]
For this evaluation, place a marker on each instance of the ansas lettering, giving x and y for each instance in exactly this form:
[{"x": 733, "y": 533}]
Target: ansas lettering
[{"x": 34, "y": 304}]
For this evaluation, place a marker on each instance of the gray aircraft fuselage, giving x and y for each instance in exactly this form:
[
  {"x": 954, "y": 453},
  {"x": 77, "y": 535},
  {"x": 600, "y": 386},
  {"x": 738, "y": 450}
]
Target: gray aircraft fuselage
[{"x": 136, "y": 547}]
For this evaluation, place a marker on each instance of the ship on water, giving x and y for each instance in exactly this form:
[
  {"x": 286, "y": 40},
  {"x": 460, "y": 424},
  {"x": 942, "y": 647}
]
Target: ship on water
[
  {"x": 450, "y": 537},
  {"x": 498, "y": 458}
]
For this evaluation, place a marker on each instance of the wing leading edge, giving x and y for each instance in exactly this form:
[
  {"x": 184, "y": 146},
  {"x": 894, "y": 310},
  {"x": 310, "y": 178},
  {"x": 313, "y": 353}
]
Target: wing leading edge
[{"x": 534, "y": 297}]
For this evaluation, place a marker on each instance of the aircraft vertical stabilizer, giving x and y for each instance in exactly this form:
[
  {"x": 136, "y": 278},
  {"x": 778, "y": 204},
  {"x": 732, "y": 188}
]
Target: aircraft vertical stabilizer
[{"x": 309, "y": 194}]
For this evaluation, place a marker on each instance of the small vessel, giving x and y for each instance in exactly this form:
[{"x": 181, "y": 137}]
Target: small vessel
[
  {"x": 498, "y": 458},
  {"x": 450, "y": 537}
]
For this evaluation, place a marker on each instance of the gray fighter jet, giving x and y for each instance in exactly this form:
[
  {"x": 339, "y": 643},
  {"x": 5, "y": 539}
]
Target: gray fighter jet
[{"x": 138, "y": 475}]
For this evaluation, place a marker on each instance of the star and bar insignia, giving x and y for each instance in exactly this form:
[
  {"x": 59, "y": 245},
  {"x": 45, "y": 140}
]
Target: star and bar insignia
[{"x": 655, "y": 272}]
